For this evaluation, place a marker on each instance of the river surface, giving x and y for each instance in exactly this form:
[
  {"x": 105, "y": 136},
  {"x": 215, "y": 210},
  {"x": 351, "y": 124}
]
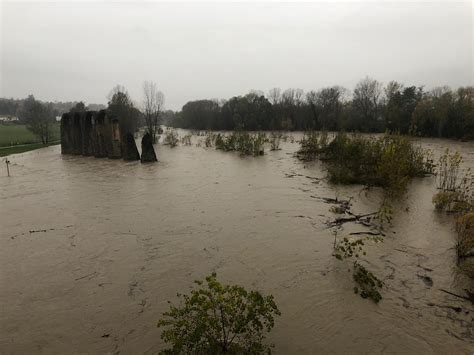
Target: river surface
[{"x": 92, "y": 249}]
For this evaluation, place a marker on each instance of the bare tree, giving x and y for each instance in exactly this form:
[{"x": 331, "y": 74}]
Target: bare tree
[
  {"x": 118, "y": 90},
  {"x": 440, "y": 91},
  {"x": 153, "y": 105},
  {"x": 299, "y": 97},
  {"x": 329, "y": 103},
  {"x": 274, "y": 96},
  {"x": 257, "y": 92},
  {"x": 326, "y": 106},
  {"x": 288, "y": 97},
  {"x": 312, "y": 100},
  {"x": 367, "y": 99}
]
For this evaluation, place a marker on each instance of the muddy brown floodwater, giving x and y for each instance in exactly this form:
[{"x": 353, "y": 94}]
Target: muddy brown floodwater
[{"x": 92, "y": 249}]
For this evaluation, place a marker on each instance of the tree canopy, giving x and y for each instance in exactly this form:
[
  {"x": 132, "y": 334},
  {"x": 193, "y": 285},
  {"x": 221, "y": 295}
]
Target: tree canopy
[
  {"x": 440, "y": 112},
  {"x": 38, "y": 117},
  {"x": 218, "y": 319}
]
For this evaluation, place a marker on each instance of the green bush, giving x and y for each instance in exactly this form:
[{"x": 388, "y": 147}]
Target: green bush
[
  {"x": 244, "y": 142},
  {"x": 445, "y": 200},
  {"x": 218, "y": 319},
  {"x": 312, "y": 144},
  {"x": 367, "y": 282},
  {"x": 389, "y": 161},
  {"x": 349, "y": 248},
  {"x": 456, "y": 195},
  {"x": 275, "y": 139},
  {"x": 457, "y": 186}
]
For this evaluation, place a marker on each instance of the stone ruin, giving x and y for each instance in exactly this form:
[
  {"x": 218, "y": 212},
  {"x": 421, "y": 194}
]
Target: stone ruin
[
  {"x": 98, "y": 134},
  {"x": 148, "y": 153}
]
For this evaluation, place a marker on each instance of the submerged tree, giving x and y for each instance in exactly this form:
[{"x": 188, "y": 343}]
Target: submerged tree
[
  {"x": 153, "y": 105},
  {"x": 219, "y": 319}
]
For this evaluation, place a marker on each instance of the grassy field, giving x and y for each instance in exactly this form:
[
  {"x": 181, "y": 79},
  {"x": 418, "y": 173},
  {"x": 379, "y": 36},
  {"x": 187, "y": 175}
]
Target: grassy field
[
  {"x": 19, "y": 134},
  {"x": 4, "y": 151},
  {"x": 18, "y": 139}
]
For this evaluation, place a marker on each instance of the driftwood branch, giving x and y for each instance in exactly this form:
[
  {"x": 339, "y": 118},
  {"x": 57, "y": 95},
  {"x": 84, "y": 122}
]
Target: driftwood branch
[
  {"x": 83, "y": 277},
  {"x": 367, "y": 233},
  {"x": 470, "y": 296},
  {"x": 354, "y": 218}
]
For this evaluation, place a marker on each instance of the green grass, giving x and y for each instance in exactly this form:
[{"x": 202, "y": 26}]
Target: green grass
[
  {"x": 19, "y": 134},
  {"x": 16, "y": 139},
  {"x": 4, "y": 151}
]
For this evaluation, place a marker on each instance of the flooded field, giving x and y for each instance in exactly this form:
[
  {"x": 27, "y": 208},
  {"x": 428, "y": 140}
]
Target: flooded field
[{"x": 92, "y": 249}]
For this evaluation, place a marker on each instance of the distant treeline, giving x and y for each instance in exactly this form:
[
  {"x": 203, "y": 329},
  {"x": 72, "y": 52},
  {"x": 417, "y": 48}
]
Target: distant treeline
[
  {"x": 440, "y": 112},
  {"x": 13, "y": 107}
]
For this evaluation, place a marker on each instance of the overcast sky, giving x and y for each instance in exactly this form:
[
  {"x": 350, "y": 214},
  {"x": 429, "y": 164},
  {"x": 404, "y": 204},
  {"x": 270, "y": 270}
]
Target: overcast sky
[{"x": 80, "y": 50}]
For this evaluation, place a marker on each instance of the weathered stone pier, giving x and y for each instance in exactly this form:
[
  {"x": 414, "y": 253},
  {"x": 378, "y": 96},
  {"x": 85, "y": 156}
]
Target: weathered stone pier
[{"x": 96, "y": 133}]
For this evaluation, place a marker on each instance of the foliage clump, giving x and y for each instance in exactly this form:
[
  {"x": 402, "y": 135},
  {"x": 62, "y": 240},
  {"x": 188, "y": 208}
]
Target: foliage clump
[
  {"x": 312, "y": 144},
  {"x": 186, "y": 140},
  {"x": 456, "y": 195},
  {"x": 389, "y": 161},
  {"x": 348, "y": 248},
  {"x": 456, "y": 187},
  {"x": 275, "y": 138},
  {"x": 446, "y": 201},
  {"x": 171, "y": 137},
  {"x": 244, "y": 142},
  {"x": 368, "y": 283},
  {"x": 210, "y": 139},
  {"x": 353, "y": 247},
  {"x": 218, "y": 319},
  {"x": 465, "y": 243},
  {"x": 465, "y": 230},
  {"x": 448, "y": 170}
]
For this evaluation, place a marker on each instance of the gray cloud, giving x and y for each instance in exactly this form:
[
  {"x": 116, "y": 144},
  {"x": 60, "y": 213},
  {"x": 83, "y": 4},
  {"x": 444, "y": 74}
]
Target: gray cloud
[{"x": 79, "y": 51}]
